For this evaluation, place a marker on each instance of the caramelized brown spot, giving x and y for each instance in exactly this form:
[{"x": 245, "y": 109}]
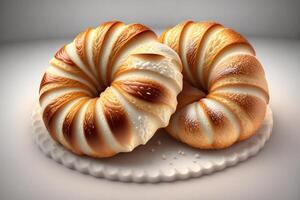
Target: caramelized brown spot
[
  {"x": 224, "y": 134},
  {"x": 174, "y": 36},
  {"x": 191, "y": 126},
  {"x": 73, "y": 70},
  {"x": 80, "y": 45},
  {"x": 50, "y": 82},
  {"x": 148, "y": 91},
  {"x": 64, "y": 57},
  {"x": 130, "y": 32},
  {"x": 195, "y": 44},
  {"x": 101, "y": 33},
  {"x": 252, "y": 105},
  {"x": 117, "y": 119},
  {"x": 224, "y": 39},
  {"x": 238, "y": 66},
  {"x": 190, "y": 130},
  {"x": 215, "y": 117},
  {"x": 68, "y": 126},
  {"x": 55, "y": 106},
  {"x": 249, "y": 110},
  {"x": 149, "y": 57},
  {"x": 92, "y": 132},
  {"x": 44, "y": 81}
]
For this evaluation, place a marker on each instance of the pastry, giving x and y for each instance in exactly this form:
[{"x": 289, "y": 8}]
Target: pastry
[
  {"x": 110, "y": 89},
  {"x": 225, "y": 92}
]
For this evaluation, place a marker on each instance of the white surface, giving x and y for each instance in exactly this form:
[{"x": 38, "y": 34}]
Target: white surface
[
  {"x": 161, "y": 160},
  {"x": 27, "y": 174}
]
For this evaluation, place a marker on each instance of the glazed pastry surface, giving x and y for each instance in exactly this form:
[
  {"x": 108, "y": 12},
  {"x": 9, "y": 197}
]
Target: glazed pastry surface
[
  {"x": 110, "y": 89},
  {"x": 225, "y": 92}
]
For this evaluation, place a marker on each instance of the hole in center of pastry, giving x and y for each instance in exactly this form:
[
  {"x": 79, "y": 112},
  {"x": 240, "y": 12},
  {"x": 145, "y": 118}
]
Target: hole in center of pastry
[{"x": 189, "y": 95}]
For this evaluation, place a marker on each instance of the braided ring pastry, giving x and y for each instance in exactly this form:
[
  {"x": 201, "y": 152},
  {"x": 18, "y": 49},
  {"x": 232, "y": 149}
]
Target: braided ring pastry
[
  {"x": 225, "y": 91},
  {"x": 110, "y": 89}
]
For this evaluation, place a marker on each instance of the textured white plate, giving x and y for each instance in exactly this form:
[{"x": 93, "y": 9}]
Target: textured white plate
[{"x": 161, "y": 159}]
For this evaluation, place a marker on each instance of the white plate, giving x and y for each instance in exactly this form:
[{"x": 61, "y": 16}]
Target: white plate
[{"x": 161, "y": 159}]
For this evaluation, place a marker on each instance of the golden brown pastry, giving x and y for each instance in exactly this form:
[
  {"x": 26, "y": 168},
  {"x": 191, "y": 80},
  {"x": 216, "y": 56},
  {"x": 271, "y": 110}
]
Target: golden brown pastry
[
  {"x": 110, "y": 89},
  {"x": 225, "y": 91}
]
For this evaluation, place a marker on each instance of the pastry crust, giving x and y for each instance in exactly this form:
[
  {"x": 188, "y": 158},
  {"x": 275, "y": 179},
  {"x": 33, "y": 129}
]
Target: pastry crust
[
  {"x": 110, "y": 89},
  {"x": 225, "y": 92}
]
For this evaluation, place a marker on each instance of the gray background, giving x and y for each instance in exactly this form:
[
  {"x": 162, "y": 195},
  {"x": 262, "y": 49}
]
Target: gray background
[
  {"x": 31, "y": 31},
  {"x": 40, "y": 19}
]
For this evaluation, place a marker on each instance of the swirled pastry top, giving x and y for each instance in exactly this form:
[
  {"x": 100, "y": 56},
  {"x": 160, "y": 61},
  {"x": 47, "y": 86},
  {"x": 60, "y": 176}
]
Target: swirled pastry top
[
  {"x": 225, "y": 92},
  {"x": 110, "y": 89}
]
